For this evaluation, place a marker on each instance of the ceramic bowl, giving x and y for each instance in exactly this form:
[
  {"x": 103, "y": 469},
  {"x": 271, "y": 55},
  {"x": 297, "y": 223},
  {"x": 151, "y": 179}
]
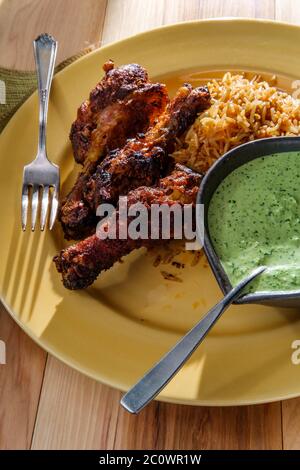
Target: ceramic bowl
[{"x": 217, "y": 173}]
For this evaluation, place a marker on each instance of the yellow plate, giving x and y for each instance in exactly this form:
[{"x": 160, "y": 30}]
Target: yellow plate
[{"x": 118, "y": 328}]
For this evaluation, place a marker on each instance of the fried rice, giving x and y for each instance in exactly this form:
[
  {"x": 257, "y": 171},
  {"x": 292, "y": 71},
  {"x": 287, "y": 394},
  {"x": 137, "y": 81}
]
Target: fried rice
[{"x": 242, "y": 110}]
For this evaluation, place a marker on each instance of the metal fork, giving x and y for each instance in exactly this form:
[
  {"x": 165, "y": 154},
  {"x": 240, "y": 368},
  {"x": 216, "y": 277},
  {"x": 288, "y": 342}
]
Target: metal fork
[{"x": 41, "y": 177}]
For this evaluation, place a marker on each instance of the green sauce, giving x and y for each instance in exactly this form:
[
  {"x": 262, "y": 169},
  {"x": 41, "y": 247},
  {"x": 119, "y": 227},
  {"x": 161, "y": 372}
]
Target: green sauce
[{"x": 254, "y": 220}]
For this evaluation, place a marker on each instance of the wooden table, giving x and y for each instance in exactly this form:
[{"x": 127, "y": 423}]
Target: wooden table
[{"x": 45, "y": 404}]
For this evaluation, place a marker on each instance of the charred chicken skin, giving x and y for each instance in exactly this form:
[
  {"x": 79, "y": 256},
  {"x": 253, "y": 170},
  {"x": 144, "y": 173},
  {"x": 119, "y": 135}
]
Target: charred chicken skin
[
  {"x": 143, "y": 160},
  {"x": 80, "y": 264},
  {"x": 123, "y": 104},
  {"x": 124, "y": 135}
]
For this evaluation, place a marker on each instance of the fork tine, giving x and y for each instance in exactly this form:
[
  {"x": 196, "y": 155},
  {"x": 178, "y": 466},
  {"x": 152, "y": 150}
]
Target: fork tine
[
  {"x": 54, "y": 207},
  {"x": 44, "y": 209},
  {"x": 24, "y": 206},
  {"x": 34, "y": 206}
]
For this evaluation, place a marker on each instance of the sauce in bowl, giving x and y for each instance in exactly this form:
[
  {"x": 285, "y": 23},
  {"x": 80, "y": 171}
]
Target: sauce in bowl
[{"x": 254, "y": 220}]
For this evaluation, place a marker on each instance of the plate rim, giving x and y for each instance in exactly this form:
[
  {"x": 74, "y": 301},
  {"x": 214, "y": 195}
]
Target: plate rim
[{"x": 57, "y": 353}]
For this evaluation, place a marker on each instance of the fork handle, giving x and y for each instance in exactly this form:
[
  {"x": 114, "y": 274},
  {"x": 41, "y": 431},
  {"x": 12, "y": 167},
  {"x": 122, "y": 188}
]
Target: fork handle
[{"x": 45, "y": 47}]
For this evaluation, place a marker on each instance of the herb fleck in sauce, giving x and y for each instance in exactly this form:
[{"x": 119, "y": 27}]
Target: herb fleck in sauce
[{"x": 254, "y": 220}]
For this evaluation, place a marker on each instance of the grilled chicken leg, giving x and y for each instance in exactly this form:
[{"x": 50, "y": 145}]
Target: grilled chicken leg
[
  {"x": 143, "y": 160},
  {"x": 80, "y": 264},
  {"x": 123, "y": 104}
]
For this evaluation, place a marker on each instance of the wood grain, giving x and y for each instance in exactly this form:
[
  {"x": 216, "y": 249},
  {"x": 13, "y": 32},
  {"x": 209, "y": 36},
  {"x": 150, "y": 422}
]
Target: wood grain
[
  {"x": 287, "y": 10},
  {"x": 21, "y": 380},
  {"x": 75, "y": 24},
  {"x": 126, "y": 17},
  {"x": 164, "y": 426},
  {"x": 75, "y": 412},
  {"x": 290, "y": 424}
]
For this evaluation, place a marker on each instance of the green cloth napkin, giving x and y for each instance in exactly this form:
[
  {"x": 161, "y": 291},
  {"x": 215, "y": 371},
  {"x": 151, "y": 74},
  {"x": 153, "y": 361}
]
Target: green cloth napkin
[{"x": 19, "y": 85}]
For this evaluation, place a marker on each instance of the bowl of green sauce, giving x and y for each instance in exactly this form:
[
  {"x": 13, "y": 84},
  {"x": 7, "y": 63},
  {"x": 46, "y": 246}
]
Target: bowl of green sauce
[{"x": 251, "y": 199}]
